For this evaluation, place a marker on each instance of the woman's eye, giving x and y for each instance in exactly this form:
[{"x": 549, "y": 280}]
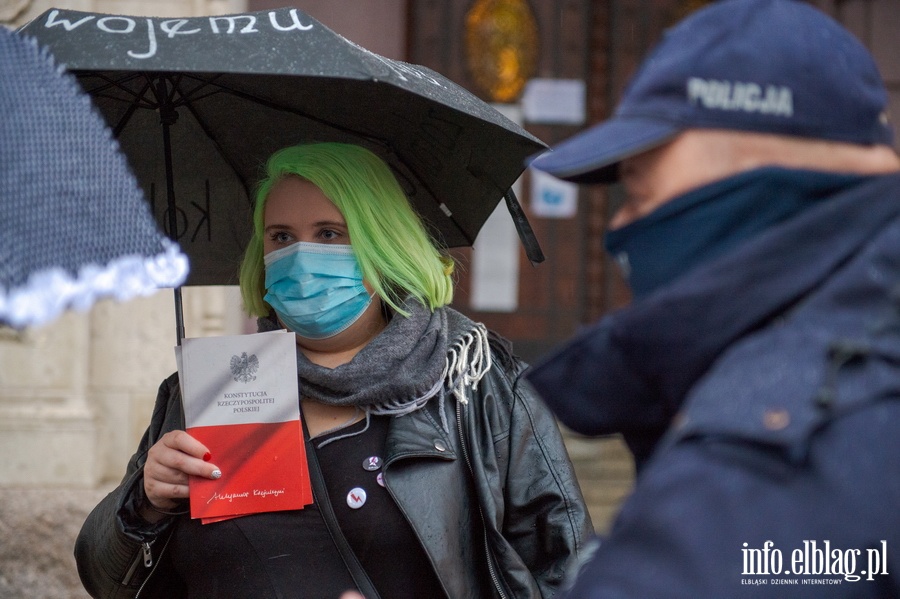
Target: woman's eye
[
  {"x": 281, "y": 237},
  {"x": 328, "y": 234}
]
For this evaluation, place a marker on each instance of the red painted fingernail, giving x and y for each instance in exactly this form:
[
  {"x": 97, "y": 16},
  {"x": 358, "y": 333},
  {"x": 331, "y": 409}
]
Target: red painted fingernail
[{"x": 207, "y": 456}]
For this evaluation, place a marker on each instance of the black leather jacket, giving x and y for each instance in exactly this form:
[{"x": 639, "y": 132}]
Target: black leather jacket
[{"x": 519, "y": 530}]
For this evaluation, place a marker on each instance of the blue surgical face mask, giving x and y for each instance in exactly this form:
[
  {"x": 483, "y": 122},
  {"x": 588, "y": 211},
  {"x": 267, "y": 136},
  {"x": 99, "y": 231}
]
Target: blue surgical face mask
[{"x": 315, "y": 289}]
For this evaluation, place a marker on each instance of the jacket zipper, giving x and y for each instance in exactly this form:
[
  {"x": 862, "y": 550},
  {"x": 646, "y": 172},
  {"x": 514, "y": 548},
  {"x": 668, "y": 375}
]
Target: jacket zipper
[
  {"x": 487, "y": 548},
  {"x": 145, "y": 555},
  {"x": 135, "y": 563}
]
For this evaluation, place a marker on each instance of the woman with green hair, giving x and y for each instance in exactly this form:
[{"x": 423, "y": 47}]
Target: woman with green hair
[{"x": 442, "y": 473}]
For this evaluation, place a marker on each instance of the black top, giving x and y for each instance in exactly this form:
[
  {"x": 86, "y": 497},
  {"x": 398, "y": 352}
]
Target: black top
[
  {"x": 291, "y": 554},
  {"x": 378, "y": 533}
]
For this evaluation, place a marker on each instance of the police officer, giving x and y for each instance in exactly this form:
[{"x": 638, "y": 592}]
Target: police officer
[{"x": 756, "y": 374}]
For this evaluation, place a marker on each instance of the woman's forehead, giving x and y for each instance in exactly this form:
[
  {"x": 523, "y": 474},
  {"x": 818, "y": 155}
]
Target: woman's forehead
[{"x": 295, "y": 198}]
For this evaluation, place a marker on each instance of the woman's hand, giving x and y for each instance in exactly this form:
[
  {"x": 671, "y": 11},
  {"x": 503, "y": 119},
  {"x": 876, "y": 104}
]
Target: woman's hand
[{"x": 170, "y": 461}]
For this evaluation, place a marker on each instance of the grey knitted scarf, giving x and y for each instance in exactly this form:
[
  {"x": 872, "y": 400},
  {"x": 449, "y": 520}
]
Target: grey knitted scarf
[{"x": 413, "y": 360}]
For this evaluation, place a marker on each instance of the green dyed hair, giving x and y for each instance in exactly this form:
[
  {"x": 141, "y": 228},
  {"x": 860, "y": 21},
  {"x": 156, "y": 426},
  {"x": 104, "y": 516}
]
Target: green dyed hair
[{"x": 395, "y": 253}]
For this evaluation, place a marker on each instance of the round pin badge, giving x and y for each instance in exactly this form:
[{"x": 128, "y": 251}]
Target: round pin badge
[
  {"x": 372, "y": 463},
  {"x": 356, "y": 498},
  {"x": 380, "y": 479}
]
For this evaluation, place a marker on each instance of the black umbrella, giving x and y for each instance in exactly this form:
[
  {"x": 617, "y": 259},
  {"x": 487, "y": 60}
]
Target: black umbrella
[
  {"x": 199, "y": 103},
  {"x": 74, "y": 226}
]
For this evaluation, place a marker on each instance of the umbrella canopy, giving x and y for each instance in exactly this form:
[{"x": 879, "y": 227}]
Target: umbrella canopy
[
  {"x": 74, "y": 225},
  {"x": 198, "y": 104}
]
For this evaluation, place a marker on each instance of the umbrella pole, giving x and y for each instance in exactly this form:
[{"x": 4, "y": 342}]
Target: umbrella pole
[
  {"x": 167, "y": 118},
  {"x": 179, "y": 316}
]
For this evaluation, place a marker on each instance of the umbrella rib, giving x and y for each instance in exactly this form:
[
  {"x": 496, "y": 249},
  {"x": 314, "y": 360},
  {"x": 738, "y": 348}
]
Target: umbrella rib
[
  {"x": 138, "y": 101},
  {"x": 118, "y": 84},
  {"x": 175, "y": 81},
  {"x": 199, "y": 97},
  {"x": 203, "y": 83}
]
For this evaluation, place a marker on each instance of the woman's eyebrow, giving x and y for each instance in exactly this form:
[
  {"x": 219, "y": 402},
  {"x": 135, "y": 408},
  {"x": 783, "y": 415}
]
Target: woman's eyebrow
[
  {"x": 329, "y": 223},
  {"x": 320, "y": 223}
]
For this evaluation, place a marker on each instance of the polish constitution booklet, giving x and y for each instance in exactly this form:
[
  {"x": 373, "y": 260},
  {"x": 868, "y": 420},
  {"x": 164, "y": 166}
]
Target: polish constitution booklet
[{"x": 241, "y": 400}]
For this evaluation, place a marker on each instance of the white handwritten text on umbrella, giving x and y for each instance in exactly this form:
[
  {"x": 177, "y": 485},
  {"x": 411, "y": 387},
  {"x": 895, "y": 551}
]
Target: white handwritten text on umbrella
[
  {"x": 222, "y": 25},
  {"x": 173, "y": 27}
]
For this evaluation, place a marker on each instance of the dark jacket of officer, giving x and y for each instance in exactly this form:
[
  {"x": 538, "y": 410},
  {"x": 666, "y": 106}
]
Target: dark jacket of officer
[{"x": 761, "y": 395}]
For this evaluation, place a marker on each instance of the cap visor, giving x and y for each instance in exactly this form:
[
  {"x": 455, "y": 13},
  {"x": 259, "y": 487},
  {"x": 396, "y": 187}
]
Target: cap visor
[{"x": 593, "y": 156}]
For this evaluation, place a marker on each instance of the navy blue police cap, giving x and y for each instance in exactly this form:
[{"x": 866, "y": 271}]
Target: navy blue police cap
[{"x": 768, "y": 66}]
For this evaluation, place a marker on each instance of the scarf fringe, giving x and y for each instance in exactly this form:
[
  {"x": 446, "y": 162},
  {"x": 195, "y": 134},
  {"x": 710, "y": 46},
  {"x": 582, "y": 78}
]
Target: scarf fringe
[{"x": 468, "y": 360}]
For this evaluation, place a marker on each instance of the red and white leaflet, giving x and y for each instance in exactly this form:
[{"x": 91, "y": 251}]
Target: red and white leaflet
[{"x": 241, "y": 401}]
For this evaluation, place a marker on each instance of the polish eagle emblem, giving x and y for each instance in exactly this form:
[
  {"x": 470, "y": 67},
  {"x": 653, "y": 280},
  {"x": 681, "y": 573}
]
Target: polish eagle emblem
[{"x": 244, "y": 367}]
